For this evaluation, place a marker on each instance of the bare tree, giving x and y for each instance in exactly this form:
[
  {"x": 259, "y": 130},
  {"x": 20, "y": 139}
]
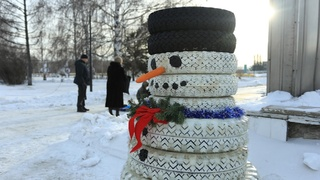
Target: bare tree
[
  {"x": 97, "y": 27},
  {"x": 18, "y": 29},
  {"x": 123, "y": 15},
  {"x": 29, "y": 75},
  {"x": 39, "y": 24}
]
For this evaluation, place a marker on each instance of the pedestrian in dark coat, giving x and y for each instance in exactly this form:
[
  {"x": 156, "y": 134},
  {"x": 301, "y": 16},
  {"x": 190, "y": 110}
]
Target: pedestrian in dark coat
[
  {"x": 82, "y": 80},
  {"x": 115, "y": 86}
]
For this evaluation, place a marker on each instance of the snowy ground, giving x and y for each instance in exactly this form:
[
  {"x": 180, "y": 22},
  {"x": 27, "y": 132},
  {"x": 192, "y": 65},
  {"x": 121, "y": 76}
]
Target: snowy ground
[{"x": 43, "y": 137}]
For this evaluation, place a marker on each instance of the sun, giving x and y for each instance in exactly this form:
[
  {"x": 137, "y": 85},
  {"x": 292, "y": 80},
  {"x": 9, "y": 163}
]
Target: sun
[
  {"x": 271, "y": 11},
  {"x": 252, "y": 25}
]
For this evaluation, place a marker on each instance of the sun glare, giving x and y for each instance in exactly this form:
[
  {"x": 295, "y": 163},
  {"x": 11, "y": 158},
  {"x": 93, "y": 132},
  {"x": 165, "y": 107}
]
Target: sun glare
[
  {"x": 271, "y": 11},
  {"x": 252, "y": 20}
]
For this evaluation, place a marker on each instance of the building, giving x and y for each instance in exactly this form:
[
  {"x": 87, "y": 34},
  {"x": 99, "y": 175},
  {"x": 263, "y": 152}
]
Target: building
[{"x": 294, "y": 47}]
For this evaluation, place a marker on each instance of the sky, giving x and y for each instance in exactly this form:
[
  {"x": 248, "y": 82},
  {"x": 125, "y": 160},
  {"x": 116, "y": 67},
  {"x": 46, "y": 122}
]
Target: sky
[
  {"x": 43, "y": 137},
  {"x": 251, "y": 26},
  {"x": 252, "y": 18}
]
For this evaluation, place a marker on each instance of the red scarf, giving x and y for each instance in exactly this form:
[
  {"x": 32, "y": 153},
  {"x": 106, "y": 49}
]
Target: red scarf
[{"x": 146, "y": 115}]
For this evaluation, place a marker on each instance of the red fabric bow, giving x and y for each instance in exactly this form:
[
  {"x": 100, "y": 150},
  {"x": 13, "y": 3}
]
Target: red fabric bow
[{"x": 146, "y": 114}]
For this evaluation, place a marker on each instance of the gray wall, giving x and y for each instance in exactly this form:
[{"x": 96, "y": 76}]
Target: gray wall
[{"x": 294, "y": 47}]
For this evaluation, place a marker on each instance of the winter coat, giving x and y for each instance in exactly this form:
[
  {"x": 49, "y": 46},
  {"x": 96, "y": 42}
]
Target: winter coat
[
  {"x": 115, "y": 85},
  {"x": 143, "y": 92},
  {"x": 82, "y": 73}
]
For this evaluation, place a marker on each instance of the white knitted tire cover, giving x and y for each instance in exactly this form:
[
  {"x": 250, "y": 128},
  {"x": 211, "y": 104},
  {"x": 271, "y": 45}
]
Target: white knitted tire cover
[
  {"x": 195, "y": 103},
  {"x": 196, "y": 62},
  {"x": 202, "y": 128},
  {"x": 128, "y": 174},
  {"x": 150, "y": 162},
  {"x": 198, "y": 135},
  {"x": 194, "y": 85}
]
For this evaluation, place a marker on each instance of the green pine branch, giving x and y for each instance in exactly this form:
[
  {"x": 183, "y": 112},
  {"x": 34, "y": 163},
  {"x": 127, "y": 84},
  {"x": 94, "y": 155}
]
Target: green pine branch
[{"x": 169, "y": 112}]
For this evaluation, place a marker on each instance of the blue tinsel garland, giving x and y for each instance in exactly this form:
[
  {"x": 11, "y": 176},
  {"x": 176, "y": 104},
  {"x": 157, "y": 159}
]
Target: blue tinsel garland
[{"x": 226, "y": 113}]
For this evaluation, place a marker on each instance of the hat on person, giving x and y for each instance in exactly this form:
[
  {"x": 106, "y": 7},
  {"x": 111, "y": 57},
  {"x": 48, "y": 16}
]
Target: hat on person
[
  {"x": 145, "y": 84},
  {"x": 83, "y": 56}
]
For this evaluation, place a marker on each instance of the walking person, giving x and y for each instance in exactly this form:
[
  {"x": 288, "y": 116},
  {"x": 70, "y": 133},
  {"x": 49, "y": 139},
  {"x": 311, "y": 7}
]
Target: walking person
[
  {"x": 82, "y": 80},
  {"x": 115, "y": 86}
]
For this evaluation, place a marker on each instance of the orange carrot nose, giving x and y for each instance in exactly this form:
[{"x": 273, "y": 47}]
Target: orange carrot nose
[{"x": 151, "y": 74}]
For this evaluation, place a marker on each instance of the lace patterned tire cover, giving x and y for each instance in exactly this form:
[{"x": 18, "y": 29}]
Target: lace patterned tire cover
[
  {"x": 195, "y": 103},
  {"x": 191, "y": 40},
  {"x": 185, "y": 18},
  {"x": 193, "y": 85},
  {"x": 150, "y": 162},
  {"x": 198, "y": 135},
  {"x": 128, "y": 174},
  {"x": 196, "y": 62}
]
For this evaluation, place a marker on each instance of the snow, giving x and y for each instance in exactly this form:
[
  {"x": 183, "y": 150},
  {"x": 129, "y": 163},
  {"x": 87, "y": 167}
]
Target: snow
[
  {"x": 312, "y": 160},
  {"x": 281, "y": 98},
  {"x": 43, "y": 137}
]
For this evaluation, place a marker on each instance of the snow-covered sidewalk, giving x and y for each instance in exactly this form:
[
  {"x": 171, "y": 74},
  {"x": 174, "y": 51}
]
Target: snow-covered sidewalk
[{"x": 42, "y": 137}]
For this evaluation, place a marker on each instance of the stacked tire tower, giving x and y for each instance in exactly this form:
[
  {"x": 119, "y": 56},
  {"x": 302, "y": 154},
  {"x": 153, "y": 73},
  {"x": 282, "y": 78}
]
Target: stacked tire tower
[{"x": 195, "y": 45}]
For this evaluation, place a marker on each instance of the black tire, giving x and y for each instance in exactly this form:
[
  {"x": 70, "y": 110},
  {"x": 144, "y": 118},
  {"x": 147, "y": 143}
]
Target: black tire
[
  {"x": 188, "y": 18},
  {"x": 191, "y": 41}
]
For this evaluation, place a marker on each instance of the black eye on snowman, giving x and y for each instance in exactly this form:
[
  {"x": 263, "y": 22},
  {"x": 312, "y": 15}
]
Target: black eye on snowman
[
  {"x": 153, "y": 64},
  {"x": 175, "y": 61}
]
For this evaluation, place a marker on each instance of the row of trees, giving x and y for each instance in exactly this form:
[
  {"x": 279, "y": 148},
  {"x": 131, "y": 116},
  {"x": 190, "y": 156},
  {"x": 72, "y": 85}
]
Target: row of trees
[{"x": 40, "y": 34}]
